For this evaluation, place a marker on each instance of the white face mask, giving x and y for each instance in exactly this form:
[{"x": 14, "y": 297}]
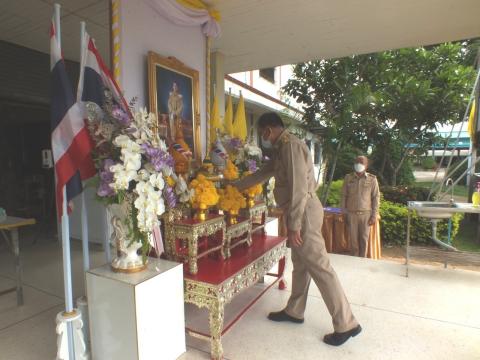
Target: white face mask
[
  {"x": 359, "y": 168},
  {"x": 266, "y": 144}
]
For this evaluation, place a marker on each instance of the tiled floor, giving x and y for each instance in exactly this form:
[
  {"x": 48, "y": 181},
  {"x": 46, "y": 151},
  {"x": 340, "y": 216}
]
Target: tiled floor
[{"x": 433, "y": 314}]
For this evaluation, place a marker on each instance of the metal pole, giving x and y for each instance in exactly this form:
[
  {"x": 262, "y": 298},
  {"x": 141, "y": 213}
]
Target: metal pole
[
  {"x": 67, "y": 266},
  {"x": 407, "y": 255},
  {"x": 84, "y": 219}
]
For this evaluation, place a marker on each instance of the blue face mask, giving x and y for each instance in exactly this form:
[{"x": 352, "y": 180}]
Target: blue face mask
[{"x": 266, "y": 144}]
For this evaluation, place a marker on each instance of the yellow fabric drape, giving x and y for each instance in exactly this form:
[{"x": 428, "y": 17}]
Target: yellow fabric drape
[
  {"x": 240, "y": 121},
  {"x": 215, "y": 122},
  {"x": 199, "y": 5},
  {"x": 471, "y": 122},
  {"x": 228, "y": 120}
]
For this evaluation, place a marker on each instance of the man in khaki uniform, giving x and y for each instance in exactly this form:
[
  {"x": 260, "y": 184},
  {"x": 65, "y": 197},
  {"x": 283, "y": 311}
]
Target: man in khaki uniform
[
  {"x": 360, "y": 202},
  {"x": 292, "y": 167}
]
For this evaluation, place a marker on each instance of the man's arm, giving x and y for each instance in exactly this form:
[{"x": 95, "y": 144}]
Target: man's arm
[
  {"x": 296, "y": 167},
  {"x": 375, "y": 199},
  {"x": 258, "y": 177}
]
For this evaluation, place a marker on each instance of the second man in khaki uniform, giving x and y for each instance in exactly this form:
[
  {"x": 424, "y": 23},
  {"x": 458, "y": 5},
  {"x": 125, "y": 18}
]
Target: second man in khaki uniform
[
  {"x": 292, "y": 167},
  {"x": 360, "y": 202}
]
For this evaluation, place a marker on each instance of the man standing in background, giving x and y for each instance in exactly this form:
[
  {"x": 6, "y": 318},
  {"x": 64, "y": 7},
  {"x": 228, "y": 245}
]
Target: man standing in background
[{"x": 360, "y": 202}]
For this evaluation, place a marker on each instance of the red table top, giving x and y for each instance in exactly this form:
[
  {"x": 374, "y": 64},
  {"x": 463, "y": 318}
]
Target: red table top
[{"x": 215, "y": 271}]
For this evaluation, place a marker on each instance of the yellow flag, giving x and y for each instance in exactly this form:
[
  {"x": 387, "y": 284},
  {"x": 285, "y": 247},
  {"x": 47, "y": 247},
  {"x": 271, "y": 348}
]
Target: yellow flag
[
  {"x": 240, "y": 121},
  {"x": 228, "y": 120},
  {"x": 471, "y": 121},
  {"x": 215, "y": 122}
]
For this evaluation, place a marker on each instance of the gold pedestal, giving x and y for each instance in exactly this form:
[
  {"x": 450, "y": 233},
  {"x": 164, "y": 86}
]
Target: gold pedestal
[
  {"x": 232, "y": 217},
  {"x": 201, "y": 214}
]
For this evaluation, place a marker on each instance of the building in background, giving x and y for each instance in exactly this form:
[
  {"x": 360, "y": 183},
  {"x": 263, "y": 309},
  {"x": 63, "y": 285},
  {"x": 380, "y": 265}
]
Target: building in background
[{"x": 262, "y": 91}]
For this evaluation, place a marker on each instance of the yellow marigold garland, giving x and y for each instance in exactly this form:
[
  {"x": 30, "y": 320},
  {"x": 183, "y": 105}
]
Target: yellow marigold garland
[
  {"x": 231, "y": 199},
  {"x": 204, "y": 192}
]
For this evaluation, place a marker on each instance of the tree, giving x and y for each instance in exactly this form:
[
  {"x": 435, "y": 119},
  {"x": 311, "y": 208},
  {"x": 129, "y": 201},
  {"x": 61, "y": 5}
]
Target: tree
[
  {"x": 334, "y": 91},
  {"x": 385, "y": 101}
]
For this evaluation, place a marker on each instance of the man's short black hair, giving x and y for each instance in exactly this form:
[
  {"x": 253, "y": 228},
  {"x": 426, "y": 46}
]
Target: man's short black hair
[{"x": 270, "y": 119}]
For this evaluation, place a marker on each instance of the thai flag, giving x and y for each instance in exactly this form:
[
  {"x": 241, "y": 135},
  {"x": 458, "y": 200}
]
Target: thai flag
[
  {"x": 95, "y": 77},
  {"x": 71, "y": 143}
]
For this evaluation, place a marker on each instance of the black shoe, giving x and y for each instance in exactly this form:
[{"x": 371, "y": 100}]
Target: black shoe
[
  {"x": 338, "y": 338},
  {"x": 283, "y": 316}
]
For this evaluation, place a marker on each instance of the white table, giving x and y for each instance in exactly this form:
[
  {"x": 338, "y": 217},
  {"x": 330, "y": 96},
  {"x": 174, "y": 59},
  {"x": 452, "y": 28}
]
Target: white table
[{"x": 12, "y": 224}]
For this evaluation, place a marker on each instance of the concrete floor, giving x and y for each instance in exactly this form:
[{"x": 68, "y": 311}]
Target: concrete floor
[{"x": 434, "y": 314}]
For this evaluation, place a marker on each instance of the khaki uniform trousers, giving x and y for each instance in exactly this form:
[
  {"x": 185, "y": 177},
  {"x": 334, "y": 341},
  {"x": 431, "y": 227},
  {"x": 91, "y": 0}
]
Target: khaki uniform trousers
[
  {"x": 310, "y": 260},
  {"x": 358, "y": 232}
]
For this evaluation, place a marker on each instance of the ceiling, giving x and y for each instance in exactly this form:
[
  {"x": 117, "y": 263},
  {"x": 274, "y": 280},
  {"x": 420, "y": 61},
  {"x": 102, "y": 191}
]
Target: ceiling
[
  {"x": 27, "y": 23},
  {"x": 264, "y": 33}
]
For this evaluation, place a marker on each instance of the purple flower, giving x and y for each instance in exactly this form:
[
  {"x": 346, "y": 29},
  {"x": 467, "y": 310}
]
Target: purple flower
[
  {"x": 157, "y": 157},
  {"x": 235, "y": 143},
  {"x": 170, "y": 197},
  {"x": 252, "y": 165},
  {"x": 121, "y": 115},
  {"x": 106, "y": 178}
]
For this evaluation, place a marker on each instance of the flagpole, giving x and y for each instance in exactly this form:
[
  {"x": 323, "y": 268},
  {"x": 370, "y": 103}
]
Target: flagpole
[
  {"x": 84, "y": 219},
  {"x": 67, "y": 266}
]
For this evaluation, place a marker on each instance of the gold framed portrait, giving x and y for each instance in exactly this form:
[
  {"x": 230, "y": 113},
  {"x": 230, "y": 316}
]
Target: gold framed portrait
[{"x": 174, "y": 98}]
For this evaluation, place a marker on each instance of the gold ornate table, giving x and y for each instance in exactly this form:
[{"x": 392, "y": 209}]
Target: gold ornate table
[
  {"x": 12, "y": 224},
  {"x": 218, "y": 282},
  {"x": 256, "y": 212},
  {"x": 242, "y": 228},
  {"x": 182, "y": 239}
]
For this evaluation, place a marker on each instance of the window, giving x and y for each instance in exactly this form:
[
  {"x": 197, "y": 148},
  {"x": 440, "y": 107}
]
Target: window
[{"x": 268, "y": 74}]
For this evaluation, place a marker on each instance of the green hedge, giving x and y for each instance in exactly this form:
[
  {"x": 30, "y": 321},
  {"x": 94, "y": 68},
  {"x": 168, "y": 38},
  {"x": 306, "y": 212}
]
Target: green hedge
[
  {"x": 334, "y": 195},
  {"x": 403, "y": 194},
  {"x": 393, "y": 223},
  {"x": 429, "y": 164},
  {"x": 393, "y": 226}
]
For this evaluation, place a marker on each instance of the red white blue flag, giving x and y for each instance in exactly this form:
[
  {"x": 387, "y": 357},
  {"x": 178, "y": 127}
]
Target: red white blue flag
[
  {"x": 71, "y": 143},
  {"x": 95, "y": 77}
]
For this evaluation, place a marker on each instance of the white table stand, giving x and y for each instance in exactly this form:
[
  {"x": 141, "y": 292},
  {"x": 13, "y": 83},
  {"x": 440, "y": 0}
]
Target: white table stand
[{"x": 138, "y": 316}]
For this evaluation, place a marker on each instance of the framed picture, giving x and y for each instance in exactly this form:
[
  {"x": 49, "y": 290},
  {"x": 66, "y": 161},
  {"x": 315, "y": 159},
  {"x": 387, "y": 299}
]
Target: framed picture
[{"x": 174, "y": 98}]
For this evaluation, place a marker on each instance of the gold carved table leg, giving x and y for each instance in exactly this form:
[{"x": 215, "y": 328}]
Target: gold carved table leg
[
  {"x": 216, "y": 315},
  {"x": 193, "y": 254},
  {"x": 226, "y": 247},
  {"x": 249, "y": 237}
]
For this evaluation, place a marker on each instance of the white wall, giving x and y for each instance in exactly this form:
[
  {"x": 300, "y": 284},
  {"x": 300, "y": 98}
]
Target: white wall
[{"x": 143, "y": 30}]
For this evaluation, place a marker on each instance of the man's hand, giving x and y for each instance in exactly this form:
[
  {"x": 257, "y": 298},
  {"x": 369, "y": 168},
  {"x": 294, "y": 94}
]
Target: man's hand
[
  {"x": 372, "y": 221},
  {"x": 294, "y": 238}
]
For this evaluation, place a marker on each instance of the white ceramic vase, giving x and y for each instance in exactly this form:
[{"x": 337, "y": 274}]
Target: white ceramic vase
[{"x": 127, "y": 258}]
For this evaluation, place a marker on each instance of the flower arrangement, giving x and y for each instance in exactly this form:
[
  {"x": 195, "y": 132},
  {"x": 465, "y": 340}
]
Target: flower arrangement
[
  {"x": 132, "y": 163},
  {"x": 231, "y": 171},
  {"x": 231, "y": 199},
  {"x": 204, "y": 192}
]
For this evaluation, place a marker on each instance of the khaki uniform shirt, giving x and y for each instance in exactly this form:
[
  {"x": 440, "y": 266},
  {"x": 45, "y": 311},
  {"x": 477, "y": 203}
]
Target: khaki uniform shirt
[
  {"x": 361, "y": 193},
  {"x": 292, "y": 166}
]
